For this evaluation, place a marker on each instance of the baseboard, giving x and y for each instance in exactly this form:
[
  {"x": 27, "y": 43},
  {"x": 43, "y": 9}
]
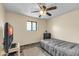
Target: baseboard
[{"x": 30, "y": 45}]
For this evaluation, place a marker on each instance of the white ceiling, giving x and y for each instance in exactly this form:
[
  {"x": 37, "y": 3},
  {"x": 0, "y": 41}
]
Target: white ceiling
[{"x": 27, "y": 8}]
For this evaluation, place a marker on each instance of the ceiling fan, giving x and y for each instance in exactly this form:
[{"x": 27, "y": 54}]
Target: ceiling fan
[{"x": 44, "y": 10}]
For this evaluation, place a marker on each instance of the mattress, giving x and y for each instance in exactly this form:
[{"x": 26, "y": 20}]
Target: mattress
[{"x": 60, "y": 48}]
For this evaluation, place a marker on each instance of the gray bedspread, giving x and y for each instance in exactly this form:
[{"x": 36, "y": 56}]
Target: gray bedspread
[{"x": 60, "y": 48}]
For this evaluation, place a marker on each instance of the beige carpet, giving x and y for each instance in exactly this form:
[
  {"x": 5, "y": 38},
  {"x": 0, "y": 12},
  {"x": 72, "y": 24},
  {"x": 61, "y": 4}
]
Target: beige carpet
[{"x": 34, "y": 51}]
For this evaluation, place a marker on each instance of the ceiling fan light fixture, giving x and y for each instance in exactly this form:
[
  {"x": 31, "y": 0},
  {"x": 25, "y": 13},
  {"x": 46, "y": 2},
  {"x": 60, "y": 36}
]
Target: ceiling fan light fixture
[{"x": 42, "y": 12}]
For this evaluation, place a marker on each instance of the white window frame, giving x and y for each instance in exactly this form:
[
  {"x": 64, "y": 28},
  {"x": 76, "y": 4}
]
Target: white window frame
[{"x": 32, "y": 26}]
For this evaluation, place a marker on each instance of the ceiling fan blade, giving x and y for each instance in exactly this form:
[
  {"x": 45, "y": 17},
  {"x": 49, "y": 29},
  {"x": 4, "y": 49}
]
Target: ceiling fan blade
[
  {"x": 39, "y": 4},
  {"x": 44, "y": 6},
  {"x": 35, "y": 11},
  {"x": 39, "y": 15},
  {"x": 51, "y": 8},
  {"x": 49, "y": 14}
]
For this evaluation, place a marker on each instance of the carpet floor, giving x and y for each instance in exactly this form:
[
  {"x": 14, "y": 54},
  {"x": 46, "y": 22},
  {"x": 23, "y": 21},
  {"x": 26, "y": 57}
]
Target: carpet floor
[{"x": 34, "y": 51}]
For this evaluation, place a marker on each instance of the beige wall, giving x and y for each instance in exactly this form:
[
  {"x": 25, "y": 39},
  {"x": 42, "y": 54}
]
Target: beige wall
[
  {"x": 2, "y": 19},
  {"x": 65, "y": 27},
  {"x": 21, "y": 35}
]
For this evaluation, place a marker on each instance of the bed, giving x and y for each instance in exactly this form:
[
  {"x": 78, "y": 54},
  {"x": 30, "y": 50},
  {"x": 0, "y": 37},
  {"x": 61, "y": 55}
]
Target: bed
[{"x": 57, "y": 47}]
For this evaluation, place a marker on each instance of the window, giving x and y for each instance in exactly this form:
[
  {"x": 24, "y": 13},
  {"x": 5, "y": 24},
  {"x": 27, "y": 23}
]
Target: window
[{"x": 31, "y": 26}]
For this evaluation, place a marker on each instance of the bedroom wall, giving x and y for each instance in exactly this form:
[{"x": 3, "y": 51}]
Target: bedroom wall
[
  {"x": 2, "y": 19},
  {"x": 21, "y": 35},
  {"x": 65, "y": 27}
]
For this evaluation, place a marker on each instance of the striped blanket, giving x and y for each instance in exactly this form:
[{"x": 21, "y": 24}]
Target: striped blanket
[{"x": 60, "y": 48}]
